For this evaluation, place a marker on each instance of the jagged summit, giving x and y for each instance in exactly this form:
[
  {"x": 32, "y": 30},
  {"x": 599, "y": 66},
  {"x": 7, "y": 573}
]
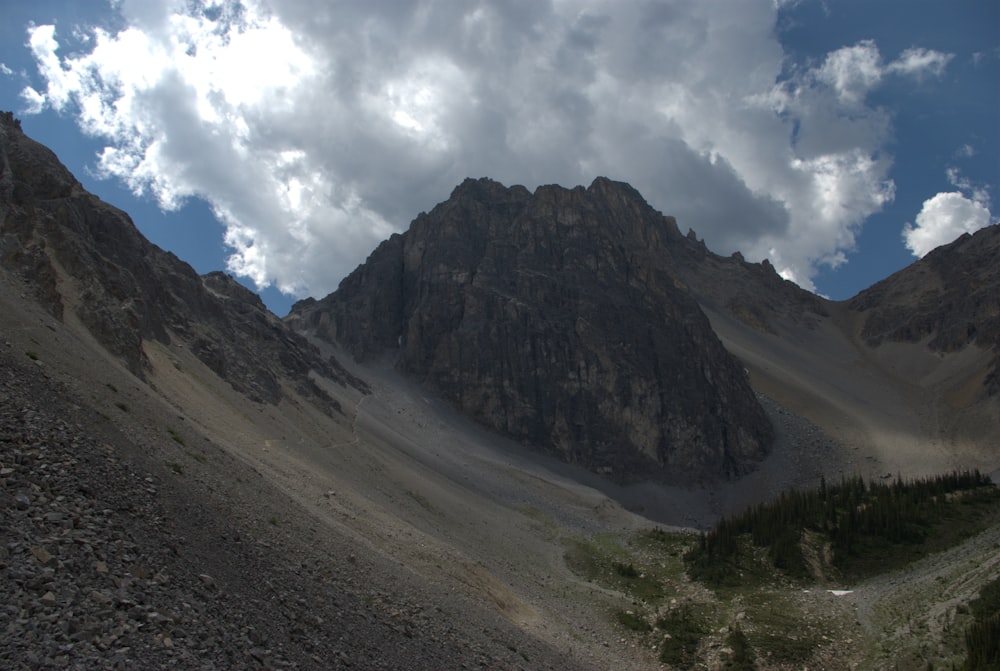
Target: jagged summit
[{"x": 558, "y": 318}]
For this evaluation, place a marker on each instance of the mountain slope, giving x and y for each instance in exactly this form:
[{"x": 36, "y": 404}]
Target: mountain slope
[
  {"x": 88, "y": 262},
  {"x": 134, "y": 461},
  {"x": 557, "y": 319},
  {"x": 950, "y": 299},
  {"x": 178, "y": 488},
  {"x": 903, "y": 375}
]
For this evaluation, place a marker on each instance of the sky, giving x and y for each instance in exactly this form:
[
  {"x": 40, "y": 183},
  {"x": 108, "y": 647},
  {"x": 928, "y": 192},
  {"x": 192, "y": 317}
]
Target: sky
[{"x": 282, "y": 140}]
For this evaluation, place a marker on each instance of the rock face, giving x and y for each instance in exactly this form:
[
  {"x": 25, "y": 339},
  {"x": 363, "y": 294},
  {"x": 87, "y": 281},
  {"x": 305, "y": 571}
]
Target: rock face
[
  {"x": 951, "y": 298},
  {"x": 83, "y": 255},
  {"x": 556, "y": 318}
]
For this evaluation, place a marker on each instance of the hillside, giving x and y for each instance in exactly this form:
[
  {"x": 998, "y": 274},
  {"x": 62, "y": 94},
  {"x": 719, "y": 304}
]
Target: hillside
[
  {"x": 557, "y": 319},
  {"x": 186, "y": 482}
]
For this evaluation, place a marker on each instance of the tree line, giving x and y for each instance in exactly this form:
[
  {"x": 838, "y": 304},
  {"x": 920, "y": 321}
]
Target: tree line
[{"x": 854, "y": 517}]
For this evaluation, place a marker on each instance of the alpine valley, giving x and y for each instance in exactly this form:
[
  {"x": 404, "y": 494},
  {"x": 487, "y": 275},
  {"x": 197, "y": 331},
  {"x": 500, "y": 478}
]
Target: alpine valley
[{"x": 495, "y": 446}]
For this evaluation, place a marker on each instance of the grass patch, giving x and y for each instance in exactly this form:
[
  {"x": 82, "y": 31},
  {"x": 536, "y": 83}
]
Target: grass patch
[
  {"x": 175, "y": 467},
  {"x": 200, "y": 457},
  {"x": 538, "y": 515},
  {"x": 591, "y": 558},
  {"x": 31, "y": 354},
  {"x": 179, "y": 439},
  {"x": 779, "y": 630},
  {"x": 122, "y": 406},
  {"x": 671, "y": 544},
  {"x": 632, "y": 622},
  {"x": 111, "y": 387},
  {"x": 602, "y": 559},
  {"x": 273, "y": 520}
]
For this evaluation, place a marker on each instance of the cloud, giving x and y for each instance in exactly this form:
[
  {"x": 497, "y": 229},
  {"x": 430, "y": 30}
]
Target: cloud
[
  {"x": 856, "y": 70},
  {"x": 942, "y": 219},
  {"x": 315, "y": 129},
  {"x": 33, "y": 100},
  {"x": 918, "y": 62},
  {"x": 947, "y": 215},
  {"x": 965, "y": 151}
]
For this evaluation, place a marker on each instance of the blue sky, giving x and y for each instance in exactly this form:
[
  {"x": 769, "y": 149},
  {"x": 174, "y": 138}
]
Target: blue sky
[{"x": 282, "y": 141}]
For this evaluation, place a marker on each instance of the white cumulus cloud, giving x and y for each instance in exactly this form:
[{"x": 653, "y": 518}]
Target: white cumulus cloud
[
  {"x": 942, "y": 219},
  {"x": 315, "y": 129}
]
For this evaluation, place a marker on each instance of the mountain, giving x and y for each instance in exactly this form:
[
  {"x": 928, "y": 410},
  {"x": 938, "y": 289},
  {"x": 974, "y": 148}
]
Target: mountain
[
  {"x": 88, "y": 262},
  {"x": 556, "y": 318},
  {"x": 950, "y": 300},
  {"x": 186, "y": 481}
]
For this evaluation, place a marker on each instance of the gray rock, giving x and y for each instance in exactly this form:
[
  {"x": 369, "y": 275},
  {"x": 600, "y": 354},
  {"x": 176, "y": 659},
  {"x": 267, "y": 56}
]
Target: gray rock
[{"x": 559, "y": 319}]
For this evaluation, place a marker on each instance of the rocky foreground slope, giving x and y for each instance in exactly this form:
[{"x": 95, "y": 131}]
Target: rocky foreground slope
[{"x": 145, "y": 521}]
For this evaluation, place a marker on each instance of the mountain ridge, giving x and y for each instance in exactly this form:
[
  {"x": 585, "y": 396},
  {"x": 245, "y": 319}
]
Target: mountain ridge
[
  {"x": 552, "y": 318},
  {"x": 87, "y": 260}
]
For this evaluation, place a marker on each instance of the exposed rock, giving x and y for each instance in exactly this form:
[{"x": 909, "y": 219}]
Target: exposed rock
[
  {"x": 556, "y": 318},
  {"x": 81, "y": 254},
  {"x": 951, "y": 298}
]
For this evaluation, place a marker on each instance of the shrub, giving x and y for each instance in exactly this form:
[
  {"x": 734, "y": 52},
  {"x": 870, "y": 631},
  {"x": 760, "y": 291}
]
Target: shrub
[
  {"x": 684, "y": 634},
  {"x": 632, "y": 621}
]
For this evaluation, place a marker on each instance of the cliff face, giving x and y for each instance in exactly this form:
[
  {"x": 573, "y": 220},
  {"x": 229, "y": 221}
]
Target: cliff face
[
  {"x": 557, "y": 319},
  {"x": 82, "y": 255}
]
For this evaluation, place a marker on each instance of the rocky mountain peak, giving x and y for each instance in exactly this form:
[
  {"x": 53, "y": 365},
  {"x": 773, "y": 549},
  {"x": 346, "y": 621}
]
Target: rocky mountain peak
[{"x": 556, "y": 318}]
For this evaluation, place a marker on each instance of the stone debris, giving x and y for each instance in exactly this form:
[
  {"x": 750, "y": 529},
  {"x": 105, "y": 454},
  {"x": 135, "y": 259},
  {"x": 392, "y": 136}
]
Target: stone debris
[{"x": 103, "y": 565}]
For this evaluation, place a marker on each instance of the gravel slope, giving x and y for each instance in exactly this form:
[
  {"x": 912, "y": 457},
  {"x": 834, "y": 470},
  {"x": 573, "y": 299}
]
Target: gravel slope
[{"x": 130, "y": 540}]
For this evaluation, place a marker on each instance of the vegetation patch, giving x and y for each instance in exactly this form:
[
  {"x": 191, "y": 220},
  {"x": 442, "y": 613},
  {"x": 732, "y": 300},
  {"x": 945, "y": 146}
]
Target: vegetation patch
[
  {"x": 683, "y": 634},
  {"x": 741, "y": 656},
  {"x": 982, "y": 638},
  {"x": 868, "y": 527},
  {"x": 604, "y": 560},
  {"x": 779, "y": 631},
  {"x": 759, "y": 564},
  {"x": 625, "y": 570},
  {"x": 592, "y": 558},
  {"x": 179, "y": 439},
  {"x": 632, "y": 621},
  {"x": 175, "y": 467}
]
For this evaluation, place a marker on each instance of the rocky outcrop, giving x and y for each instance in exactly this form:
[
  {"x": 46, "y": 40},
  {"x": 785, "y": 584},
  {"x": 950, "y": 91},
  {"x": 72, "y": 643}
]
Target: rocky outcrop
[
  {"x": 81, "y": 254},
  {"x": 555, "y": 318},
  {"x": 950, "y": 298},
  {"x": 752, "y": 293}
]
